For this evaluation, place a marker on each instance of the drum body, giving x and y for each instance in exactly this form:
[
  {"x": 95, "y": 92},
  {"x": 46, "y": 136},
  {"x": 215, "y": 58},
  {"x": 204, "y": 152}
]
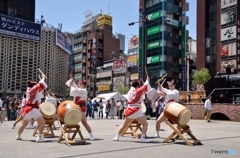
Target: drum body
[
  {"x": 177, "y": 113},
  {"x": 69, "y": 113},
  {"x": 48, "y": 110},
  {"x": 143, "y": 108}
]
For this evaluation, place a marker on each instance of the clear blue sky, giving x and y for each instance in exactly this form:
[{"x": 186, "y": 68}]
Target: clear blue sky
[{"x": 70, "y": 13}]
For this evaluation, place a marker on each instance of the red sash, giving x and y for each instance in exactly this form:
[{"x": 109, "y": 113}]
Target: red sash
[
  {"x": 83, "y": 108},
  {"x": 28, "y": 108},
  {"x": 172, "y": 100},
  {"x": 81, "y": 103},
  {"x": 131, "y": 110}
]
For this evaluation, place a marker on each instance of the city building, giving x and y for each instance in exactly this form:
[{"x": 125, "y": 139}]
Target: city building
[
  {"x": 217, "y": 35},
  {"x": 191, "y": 53},
  {"x": 22, "y": 53},
  {"x": 21, "y": 9},
  {"x": 132, "y": 57},
  {"x": 162, "y": 40},
  {"x": 93, "y": 45}
]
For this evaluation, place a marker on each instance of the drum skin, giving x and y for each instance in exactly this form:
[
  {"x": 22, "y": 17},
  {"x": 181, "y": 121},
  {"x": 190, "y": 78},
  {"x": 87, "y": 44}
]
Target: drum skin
[
  {"x": 143, "y": 108},
  {"x": 48, "y": 110},
  {"x": 69, "y": 113},
  {"x": 177, "y": 113}
]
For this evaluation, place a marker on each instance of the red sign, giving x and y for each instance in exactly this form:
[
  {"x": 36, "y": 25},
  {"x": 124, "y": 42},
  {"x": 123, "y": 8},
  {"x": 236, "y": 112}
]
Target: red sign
[
  {"x": 140, "y": 4},
  {"x": 183, "y": 4}
]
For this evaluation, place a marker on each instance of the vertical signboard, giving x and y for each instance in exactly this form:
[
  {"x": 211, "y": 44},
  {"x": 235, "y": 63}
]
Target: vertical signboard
[
  {"x": 140, "y": 52},
  {"x": 228, "y": 3},
  {"x": 183, "y": 32},
  {"x": 229, "y": 34}
]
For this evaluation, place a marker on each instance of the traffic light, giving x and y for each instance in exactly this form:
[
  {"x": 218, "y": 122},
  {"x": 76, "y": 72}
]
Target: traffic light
[{"x": 131, "y": 23}]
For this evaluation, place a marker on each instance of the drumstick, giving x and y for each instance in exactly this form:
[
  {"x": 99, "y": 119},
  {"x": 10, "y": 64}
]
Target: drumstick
[
  {"x": 42, "y": 72},
  {"x": 39, "y": 77},
  {"x": 146, "y": 72}
]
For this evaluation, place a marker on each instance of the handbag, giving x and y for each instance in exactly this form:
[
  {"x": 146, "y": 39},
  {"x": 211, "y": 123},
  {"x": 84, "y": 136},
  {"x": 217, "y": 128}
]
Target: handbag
[{"x": 205, "y": 112}]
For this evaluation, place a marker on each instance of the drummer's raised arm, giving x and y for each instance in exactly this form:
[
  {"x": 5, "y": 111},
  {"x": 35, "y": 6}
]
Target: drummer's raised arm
[
  {"x": 76, "y": 91},
  {"x": 70, "y": 83}
]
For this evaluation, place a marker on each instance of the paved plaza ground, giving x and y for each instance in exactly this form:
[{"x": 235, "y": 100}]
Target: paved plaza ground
[{"x": 218, "y": 135}]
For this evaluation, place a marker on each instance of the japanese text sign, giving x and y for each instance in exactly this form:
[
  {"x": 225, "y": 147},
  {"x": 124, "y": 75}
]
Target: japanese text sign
[
  {"x": 63, "y": 42},
  {"x": 14, "y": 27}
]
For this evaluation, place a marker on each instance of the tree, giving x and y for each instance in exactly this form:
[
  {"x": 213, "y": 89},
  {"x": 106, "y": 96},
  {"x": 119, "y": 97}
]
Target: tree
[
  {"x": 123, "y": 90},
  {"x": 68, "y": 93},
  {"x": 202, "y": 76}
]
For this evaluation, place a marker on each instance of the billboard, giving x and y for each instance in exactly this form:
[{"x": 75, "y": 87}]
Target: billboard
[
  {"x": 233, "y": 64},
  {"x": 134, "y": 76},
  {"x": 228, "y": 17},
  {"x": 132, "y": 60},
  {"x": 63, "y": 42},
  {"x": 153, "y": 30},
  {"x": 14, "y": 27},
  {"x": 119, "y": 66},
  {"x": 133, "y": 43},
  {"x": 154, "y": 15},
  {"x": 104, "y": 88},
  {"x": 153, "y": 45},
  {"x": 153, "y": 59},
  {"x": 118, "y": 82},
  {"x": 228, "y": 3},
  {"x": 229, "y": 49},
  {"x": 229, "y": 33},
  {"x": 104, "y": 19}
]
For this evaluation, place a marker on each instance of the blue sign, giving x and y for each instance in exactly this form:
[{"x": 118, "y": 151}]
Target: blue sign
[
  {"x": 63, "y": 42},
  {"x": 14, "y": 27},
  {"x": 183, "y": 77},
  {"x": 93, "y": 57}
]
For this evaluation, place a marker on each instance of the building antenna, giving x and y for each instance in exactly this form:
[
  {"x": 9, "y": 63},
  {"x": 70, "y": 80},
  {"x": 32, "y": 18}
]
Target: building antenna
[
  {"x": 85, "y": 12},
  {"x": 108, "y": 9},
  {"x": 100, "y": 11}
]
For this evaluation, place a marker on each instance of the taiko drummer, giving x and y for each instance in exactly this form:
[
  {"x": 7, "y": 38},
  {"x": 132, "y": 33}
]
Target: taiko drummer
[
  {"x": 31, "y": 108},
  {"x": 79, "y": 93},
  {"x": 171, "y": 95},
  {"x": 133, "y": 110}
]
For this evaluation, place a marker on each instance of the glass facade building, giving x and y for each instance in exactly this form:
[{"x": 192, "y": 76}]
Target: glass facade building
[
  {"x": 22, "y": 9},
  {"x": 160, "y": 47}
]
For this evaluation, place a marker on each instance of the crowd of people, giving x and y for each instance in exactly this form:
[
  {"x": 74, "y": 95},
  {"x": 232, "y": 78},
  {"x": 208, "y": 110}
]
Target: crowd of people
[{"x": 10, "y": 108}]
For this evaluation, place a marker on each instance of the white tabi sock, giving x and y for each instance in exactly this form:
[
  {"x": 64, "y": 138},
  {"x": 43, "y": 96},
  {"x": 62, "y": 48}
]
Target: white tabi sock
[
  {"x": 117, "y": 136},
  {"x": 91, "y": 134},
  {"x": 143, "y": 136},
  {"x": 157, "y": 133}
]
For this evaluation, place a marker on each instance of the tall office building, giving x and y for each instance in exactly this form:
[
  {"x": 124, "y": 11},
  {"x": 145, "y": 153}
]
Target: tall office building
[
  {"x": 162, "y": 40},
  {"x": 217, "y": 35},
  {"x": 94, "y": 44},
  {"x": 27, "y": 46},
  {"x": 21, "y": 9}
]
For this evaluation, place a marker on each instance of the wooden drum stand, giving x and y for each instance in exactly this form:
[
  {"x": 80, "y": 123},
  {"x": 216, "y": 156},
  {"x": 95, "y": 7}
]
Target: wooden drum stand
[
  {"x": 178, "y": 133},
  {"x": 74, "y": 129},
  {"x": 133, "y": 126},
  {"x": 48, "y": 131}
]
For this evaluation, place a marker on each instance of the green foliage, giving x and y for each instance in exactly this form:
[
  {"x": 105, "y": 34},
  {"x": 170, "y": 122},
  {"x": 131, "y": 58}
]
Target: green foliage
[
  {"x": 123, "y": 90},
  {"x": 68, "y": 93},
  {"x": 202, "y": 76}
]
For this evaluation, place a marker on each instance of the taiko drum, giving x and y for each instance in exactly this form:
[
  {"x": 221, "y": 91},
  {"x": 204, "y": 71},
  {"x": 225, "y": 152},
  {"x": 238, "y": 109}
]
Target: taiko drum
[
  {"x": 69, "y": 113},
  {"x": 177, "y": 113}
]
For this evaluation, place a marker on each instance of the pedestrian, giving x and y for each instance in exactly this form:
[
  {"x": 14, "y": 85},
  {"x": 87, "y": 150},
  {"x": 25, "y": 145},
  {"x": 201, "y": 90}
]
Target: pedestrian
[{"x": 208, "y": 108}]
